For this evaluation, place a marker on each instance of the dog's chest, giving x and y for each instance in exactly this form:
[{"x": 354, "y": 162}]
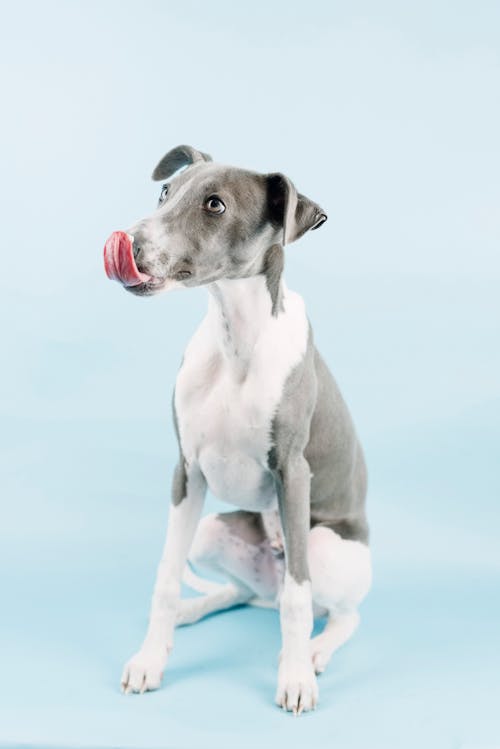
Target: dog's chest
[
  {"x": 225, "y": 416},
  {"x": 228, "y": 434}
]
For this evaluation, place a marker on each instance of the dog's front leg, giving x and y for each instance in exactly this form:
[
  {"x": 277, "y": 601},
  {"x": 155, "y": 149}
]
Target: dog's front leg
[
  {"x": 297, "y": 685},
  {"x": 144, "y": 671}
]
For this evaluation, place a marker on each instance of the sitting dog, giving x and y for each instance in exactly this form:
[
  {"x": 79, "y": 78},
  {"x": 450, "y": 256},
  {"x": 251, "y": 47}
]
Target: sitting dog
[{"x": 259, "y": 419}]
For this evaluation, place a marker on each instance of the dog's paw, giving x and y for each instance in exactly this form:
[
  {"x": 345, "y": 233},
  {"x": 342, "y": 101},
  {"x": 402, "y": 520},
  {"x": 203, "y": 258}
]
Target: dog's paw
[
  {"x": 297, "y": 686},
  {"x": 320, "y": 660},
  {"x": 321, "y": 652},
  {"x": 143, "y": 672}
]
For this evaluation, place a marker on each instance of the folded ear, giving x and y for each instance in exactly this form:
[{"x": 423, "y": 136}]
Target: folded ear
[
  {"x": 176, "y": 159},
  {"x": 291, "y": 210}
]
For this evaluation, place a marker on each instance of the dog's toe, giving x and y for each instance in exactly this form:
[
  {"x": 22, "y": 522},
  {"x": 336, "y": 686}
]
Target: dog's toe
[
  {"x": 297, "y": 687},
  {"x": 320, "y": 657},
  {"x": 142, "y": 673}
]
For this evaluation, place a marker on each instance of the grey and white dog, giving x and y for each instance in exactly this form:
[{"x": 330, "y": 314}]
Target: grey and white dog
[{"x": 259, "y": 420}]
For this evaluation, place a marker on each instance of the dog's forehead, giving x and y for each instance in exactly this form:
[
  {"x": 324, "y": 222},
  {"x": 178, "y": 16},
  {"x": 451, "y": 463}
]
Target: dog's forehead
[{"x": 203, "y": 176}]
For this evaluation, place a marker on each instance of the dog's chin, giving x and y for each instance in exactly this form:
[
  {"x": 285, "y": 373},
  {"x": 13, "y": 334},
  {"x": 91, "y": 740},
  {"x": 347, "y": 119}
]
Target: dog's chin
[{"x": 155, "y": 286}]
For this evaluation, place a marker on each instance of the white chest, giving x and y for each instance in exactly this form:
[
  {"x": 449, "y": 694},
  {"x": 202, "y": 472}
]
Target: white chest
[{"x": 225, "y": 407}]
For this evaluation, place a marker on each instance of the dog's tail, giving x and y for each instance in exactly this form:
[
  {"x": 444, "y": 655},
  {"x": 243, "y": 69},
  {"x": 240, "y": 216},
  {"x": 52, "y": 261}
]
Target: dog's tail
[{"x": 209, "y": 587}]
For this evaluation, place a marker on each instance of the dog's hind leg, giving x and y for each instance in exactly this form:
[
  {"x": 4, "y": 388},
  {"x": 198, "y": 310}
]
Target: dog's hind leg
[
  {"x": 192, "y": 610},
  {"x": 340, "y": 577},
  {"x": 339, "y": 628},
  {"x": 235, "y": 545}
]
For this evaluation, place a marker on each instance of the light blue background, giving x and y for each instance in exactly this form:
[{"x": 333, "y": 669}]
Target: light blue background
[{"x": 388, "y": 115}]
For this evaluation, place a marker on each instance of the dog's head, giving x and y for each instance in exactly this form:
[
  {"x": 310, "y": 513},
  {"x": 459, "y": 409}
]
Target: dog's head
[{"x": 212, "y": 222}]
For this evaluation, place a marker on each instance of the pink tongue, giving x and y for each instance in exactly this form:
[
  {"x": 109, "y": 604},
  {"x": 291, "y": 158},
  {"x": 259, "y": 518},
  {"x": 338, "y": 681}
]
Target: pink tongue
[{"x": 119, "y": 262}]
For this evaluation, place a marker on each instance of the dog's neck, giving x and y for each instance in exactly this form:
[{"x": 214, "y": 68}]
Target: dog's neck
[{"x": 240, "y": 310}]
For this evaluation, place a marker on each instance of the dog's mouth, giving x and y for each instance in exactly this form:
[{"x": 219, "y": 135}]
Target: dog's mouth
[{"x": 119, "y": 264}]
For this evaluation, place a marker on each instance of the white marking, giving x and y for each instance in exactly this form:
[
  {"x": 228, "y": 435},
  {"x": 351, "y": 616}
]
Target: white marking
[
  {"x": 341, "y": 577},
  {"x": 297, "y": 686},
  {"x": 144, "y": 670},
  {"x": 340, "y": 571},
  {"x": 230, "y": 385},
  {"x": 172, "y": 201}
]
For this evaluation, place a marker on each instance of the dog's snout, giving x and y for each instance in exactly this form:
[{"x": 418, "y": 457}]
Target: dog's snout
[{"x": 136, "y": 249}]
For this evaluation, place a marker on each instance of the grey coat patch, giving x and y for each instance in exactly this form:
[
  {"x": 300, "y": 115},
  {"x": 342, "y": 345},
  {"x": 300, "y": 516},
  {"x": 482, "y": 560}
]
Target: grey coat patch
[
  {"x": 290, "y": 435},
  {"x": 274, "y": 262},
  {"x": 245, "y": 525},
  {"x": 292, "y": 210},
  {"x": 179, "y": 479},
  {"x": 316, "y": 457},
  {"x": 176, "y": 159},
  {"x": 339, "y": 478}
]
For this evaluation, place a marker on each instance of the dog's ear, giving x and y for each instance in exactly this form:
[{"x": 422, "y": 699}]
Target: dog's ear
[
  {"x": 291, "y": 210},
  {"x": 176, "y": 159}
]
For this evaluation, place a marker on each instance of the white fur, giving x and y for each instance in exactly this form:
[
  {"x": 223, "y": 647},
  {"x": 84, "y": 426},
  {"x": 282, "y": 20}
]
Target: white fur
[
  {"x": 252, "y": 566},
  {"x": 193, "y": 609},
  {"x": 340, "y": 571},
  {"x": 297, "y": 686},
  {"x": 341, "y": 577},
  {"x": 226, "y": 392},
  {"x": 144, "y": 670},
  {"x": 337, "y": 631}
]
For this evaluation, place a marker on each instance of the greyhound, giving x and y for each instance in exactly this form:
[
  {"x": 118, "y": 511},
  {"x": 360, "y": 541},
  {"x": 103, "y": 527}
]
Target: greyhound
[{"x": 260, "y": 422}]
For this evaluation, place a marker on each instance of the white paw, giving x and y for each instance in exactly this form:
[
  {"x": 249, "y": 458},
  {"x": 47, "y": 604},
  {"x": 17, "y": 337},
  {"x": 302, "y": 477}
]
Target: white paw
[
  {"x": 297, "y": 686},
  {"x": 143, "y": 672}
]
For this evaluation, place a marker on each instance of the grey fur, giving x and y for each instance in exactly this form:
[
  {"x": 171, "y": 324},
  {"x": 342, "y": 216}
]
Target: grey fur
[
  {"x": 245, "y": 525},
  {"x": 316, "y": 460},
  {"x": 290, "y": 436},
  {"x": 179, "y": 479},
  {"x": 176, "y": 159},
  {"x": 293, "y": 211},
  {"x": 339, "y": 478},
  {"x": 261, "y": 211},
  {"x": 274, "y": 261},
  {"x": 325, "y": 436}
]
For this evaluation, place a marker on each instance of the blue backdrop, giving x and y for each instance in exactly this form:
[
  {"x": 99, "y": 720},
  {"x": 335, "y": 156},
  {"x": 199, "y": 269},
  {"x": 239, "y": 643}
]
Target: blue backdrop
[{"x": 386, "y": 114}]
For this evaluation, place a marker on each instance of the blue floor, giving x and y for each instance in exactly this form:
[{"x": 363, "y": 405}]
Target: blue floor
[{"x": 422, "y": 671}]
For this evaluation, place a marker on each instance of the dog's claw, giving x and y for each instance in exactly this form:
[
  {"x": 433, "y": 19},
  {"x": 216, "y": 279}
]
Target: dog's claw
[{"x": 297, "y": 687}]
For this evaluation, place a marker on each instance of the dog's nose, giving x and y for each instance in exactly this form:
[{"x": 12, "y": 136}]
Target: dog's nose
[{"x": 136, "y": 249}]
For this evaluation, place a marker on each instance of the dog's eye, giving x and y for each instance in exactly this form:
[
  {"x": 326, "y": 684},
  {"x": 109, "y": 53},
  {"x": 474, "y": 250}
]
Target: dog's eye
[
  {"x": 163, "y": 194},
  {"x": 214, "y": 205}
]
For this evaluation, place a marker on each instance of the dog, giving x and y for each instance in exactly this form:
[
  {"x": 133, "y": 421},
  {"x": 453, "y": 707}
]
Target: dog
[{"x": 260, "y": 422}]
